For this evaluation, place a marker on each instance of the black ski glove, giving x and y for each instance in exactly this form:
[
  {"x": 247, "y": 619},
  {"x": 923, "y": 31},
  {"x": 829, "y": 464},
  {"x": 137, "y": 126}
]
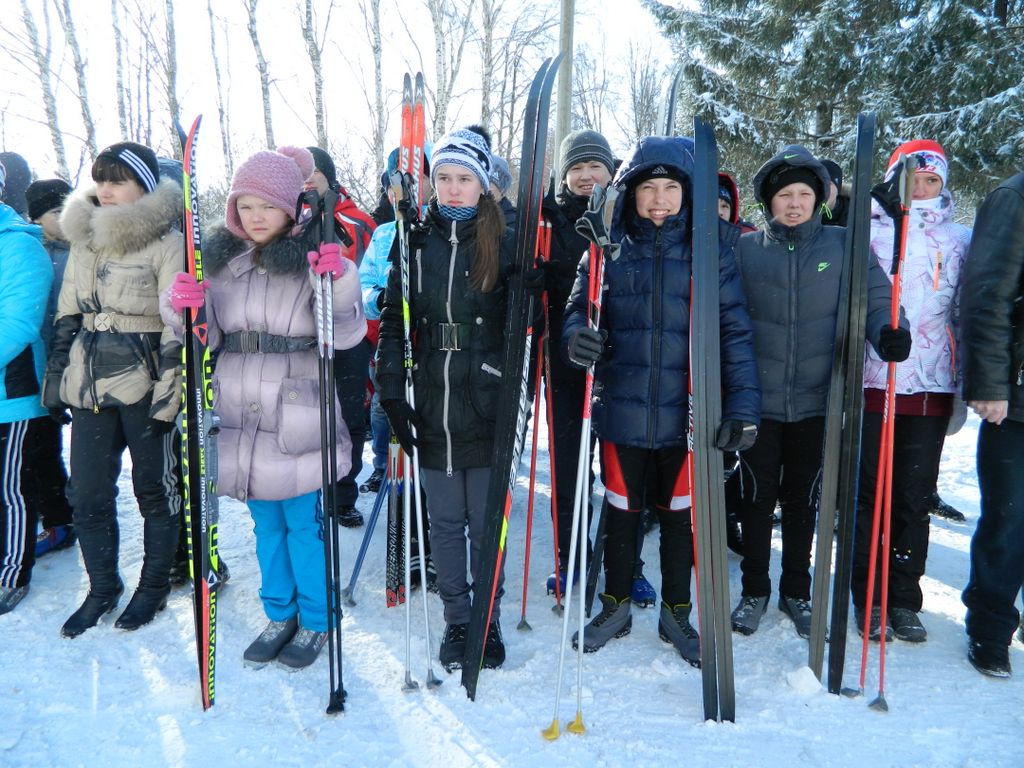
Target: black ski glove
[
  {"x": 403, "y": 419},
  {"x": 735, "y": 435},
  {"x": 535, "y": 279},
  {"x": 894, "y": 344},
  {"x": 887, "y": 194},
  {"x": 60, "y": 415},
  {"x": 586, "y": 346}
]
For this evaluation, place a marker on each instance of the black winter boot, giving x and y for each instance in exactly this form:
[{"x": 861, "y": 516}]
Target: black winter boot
[
  {"x": 160, "y": 540},
  {"x": 90, "y": 611}
]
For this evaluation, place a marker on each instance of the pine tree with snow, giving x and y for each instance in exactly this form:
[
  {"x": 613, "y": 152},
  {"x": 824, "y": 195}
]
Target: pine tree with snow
[{"x": 772, "y": 72}]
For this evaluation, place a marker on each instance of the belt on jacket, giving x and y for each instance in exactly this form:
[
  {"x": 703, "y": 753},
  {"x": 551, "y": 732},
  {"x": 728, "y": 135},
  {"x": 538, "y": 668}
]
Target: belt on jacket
[
  {"x": 117, "y": 323},
  {"x": 260, "y": 343},
  {"x": 451, "y": 337}
]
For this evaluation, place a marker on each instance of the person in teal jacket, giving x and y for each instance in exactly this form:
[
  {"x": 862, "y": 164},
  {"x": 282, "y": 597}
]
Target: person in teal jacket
[{"x": 25, "y": 278}]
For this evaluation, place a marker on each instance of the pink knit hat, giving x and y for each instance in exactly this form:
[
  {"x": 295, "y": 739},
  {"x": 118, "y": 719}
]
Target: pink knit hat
[{"x": 276, "y": 177}]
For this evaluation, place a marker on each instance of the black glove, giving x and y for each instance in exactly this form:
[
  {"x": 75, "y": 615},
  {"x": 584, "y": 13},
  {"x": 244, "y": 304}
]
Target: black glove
[
  {"x": 535, "y": 279},
  {"x": 894, "y": 344},
  {"x": 586, "y": 346},
  {"x": 887, "y": 194},
  {"x": 735, "y": 435},
  {"x": 156, "y": 429},
  {"x": 60, "y": 415},
  {"x": 403, "y": 418}
]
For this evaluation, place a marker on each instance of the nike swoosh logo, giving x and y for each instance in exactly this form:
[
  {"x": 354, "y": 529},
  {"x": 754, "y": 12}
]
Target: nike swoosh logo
[
  {"x": 788, "y": 157},
  {"x": 823, "y": 265}
]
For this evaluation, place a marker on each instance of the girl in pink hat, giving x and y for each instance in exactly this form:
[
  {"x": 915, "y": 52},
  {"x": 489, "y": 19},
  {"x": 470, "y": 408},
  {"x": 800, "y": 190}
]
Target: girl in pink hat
[
  {"x": 262, "y": 270},
  {"x": 926, "y": 385}
]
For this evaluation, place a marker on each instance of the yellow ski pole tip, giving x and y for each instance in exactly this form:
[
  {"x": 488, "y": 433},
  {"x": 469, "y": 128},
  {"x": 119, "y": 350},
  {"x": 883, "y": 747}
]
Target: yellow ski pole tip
[
  {"x": 552, "y": 732},
  {"x": 577, "y": 726}
]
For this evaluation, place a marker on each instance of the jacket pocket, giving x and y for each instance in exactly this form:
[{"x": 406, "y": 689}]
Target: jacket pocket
[
  {"x": 298, "y": 422},
  {"x": 485, "y": 388}
]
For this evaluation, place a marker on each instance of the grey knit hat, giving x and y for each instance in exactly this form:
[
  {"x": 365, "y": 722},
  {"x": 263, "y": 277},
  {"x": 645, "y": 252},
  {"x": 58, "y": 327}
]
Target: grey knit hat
[
  {"x": 580, "y": 146},
  {"x": 501, "y": 176}
]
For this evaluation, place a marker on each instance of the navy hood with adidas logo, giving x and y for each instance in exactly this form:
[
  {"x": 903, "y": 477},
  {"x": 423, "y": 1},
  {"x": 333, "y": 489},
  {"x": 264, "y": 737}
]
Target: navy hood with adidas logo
[{"x": 641, "y": 394}]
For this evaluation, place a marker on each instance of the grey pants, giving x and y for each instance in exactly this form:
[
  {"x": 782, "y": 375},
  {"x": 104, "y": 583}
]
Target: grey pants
[{"x": 453, "y": 503}]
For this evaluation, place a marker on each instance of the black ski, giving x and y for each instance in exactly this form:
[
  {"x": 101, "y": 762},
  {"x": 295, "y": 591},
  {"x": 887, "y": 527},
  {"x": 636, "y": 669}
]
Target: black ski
[
  {"x": 511, "y": 420},
  {"x": 858, "y": 244},
  {"x": 705, "y": 414},
  {"x": 198, "y": 443},
  {"x": 842, "y": 419}
]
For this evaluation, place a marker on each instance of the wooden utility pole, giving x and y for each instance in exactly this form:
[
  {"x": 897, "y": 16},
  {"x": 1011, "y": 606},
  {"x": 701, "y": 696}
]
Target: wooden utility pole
[{"x": 563, "y": 116}]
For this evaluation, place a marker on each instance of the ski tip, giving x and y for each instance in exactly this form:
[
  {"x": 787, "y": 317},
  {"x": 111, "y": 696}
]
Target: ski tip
[
  {"x": 553, "y": 731},
  {"x": 577, "y": 726}
]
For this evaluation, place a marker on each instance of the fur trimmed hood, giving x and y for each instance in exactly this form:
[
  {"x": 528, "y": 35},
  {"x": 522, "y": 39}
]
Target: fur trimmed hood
[
  {"x": 285, "y": 255},
  {"x": 123, "y": 228}
]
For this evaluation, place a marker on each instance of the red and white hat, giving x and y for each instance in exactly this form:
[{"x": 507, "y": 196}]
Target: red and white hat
[{"x": 929, "y": 155}]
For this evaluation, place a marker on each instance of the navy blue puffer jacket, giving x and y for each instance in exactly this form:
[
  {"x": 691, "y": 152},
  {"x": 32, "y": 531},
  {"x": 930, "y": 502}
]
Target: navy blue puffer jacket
[{"x": 641, "y": 393}]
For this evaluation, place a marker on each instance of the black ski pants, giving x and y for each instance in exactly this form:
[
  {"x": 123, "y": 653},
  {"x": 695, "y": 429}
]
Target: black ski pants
[
  {"x": 917, "y": 449},
  {"x": 98, "y": 440},
  {"x": 783, "y": 466},
  {"x": 997, "y": 548},
  {"x": 48, "y": 480},
  {"x": 631, "y": 474},
  {"x": 350, "y": 376}
]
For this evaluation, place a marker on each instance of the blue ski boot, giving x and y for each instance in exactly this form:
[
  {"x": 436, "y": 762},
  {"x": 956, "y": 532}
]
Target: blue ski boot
[
  {"x": 643, "y": 594},
  {"x": 562, "y": 576}
]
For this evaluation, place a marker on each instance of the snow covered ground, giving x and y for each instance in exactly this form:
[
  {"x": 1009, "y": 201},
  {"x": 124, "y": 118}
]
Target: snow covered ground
[{"x": 115, "y": 698}]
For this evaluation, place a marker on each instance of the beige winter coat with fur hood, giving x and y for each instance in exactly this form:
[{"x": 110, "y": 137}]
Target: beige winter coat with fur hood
[{"x": 111, "y": 348}]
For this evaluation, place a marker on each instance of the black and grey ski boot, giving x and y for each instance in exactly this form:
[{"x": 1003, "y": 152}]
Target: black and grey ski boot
[
  {"x": 494, "y": 647},
  {"x": 453, "y": 647},
  {"x": 799, "y": 610},
  {"x": 265, "y": 648},
  {"x": 613, "y": 621},
  {"x": 746, "y": 617},
  {"x": 940, "y": 508},
  {"x": 674, "y": 627}
]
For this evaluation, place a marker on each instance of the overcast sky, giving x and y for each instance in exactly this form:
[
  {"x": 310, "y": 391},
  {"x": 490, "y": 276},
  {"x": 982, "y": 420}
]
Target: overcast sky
[{"x": 601, "y": 26}]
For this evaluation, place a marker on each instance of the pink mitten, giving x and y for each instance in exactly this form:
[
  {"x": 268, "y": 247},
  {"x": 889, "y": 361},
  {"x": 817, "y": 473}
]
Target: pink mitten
[
  {"x": 186, "y": 293},
  {"x": 327, "y": 259}
]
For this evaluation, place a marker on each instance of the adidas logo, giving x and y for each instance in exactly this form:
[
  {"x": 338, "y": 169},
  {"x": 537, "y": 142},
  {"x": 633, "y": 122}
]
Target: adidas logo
[{"x": 660, "y": 170}]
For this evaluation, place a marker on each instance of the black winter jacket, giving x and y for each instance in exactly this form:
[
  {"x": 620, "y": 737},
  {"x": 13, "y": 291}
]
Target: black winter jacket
[
  {"x": 641, "y": 398},
  {"x": 992, "y": 301},
  {"x": 456, "y": 390},
  {"x": 567, "y": 248},
  {"x": 791, "y": 276}
]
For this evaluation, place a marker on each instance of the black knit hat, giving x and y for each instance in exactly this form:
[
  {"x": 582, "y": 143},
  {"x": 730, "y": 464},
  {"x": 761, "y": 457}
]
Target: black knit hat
[
  {"x": 43, "y": 196},
  {"x": 785, "y": 175},
  {"x": 137, "y": 158},
  {"x": 835, "y": 173},
  {"x": 580, "y": 146},
  {"x": 325, "y": 165}
]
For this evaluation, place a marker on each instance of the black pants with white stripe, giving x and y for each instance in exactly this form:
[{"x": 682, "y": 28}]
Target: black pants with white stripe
[{"x": 20, "y": 516}]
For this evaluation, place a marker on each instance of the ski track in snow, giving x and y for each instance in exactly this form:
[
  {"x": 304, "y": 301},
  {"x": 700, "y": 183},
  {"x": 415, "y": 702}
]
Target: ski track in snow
[{"x": 115, "y": 698}]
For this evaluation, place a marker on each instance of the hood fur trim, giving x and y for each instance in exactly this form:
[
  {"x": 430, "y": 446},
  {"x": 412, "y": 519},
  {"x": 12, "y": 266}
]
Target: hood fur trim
[
  {"x": 285, "y": 256},
  {"x": 123, "y": 228}
]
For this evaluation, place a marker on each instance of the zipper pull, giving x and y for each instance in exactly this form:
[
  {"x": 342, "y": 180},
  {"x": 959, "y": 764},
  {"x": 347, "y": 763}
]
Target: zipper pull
[
  {"x": 938, "y": 270},
  {"x": 454, "y": 240}
]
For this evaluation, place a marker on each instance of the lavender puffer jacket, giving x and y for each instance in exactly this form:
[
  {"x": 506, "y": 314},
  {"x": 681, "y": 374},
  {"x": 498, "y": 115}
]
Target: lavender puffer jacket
[
  {"x": 936, "y": 246},
  {"x": 268, "y": 404}
]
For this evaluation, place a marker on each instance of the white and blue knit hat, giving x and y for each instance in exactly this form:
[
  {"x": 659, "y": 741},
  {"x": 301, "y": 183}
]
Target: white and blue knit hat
[
  {"x": 466, "y": 148},
  {"x": 139, "y": 159}
]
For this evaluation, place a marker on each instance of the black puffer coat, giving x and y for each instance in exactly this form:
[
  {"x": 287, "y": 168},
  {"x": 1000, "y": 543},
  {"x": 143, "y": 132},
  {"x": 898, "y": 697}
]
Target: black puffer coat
[
  {"x": 642, "y": 396},
  {"x": 456, "y": 391},
  {"x": 992, "y": 301},
  {"x": 791, "y": 276}
]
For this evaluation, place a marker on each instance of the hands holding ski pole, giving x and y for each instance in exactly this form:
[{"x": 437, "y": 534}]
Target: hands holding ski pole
[
  {"x": 187, "y": 292},
  {"x": 327, "y": 260}
]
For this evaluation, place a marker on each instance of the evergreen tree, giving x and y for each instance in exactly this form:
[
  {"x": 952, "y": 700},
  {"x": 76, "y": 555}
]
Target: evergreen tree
[{"x": 772, "y": 72}]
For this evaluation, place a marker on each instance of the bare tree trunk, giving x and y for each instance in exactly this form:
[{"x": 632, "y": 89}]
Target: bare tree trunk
[
  {"x": 64, "y": 13},
  {"x": 172, "y": 80},
  {"x": 43, "y": 68},
  {"x": 122, "y": 111},
  {"x": 225, "y": 137},
  {"x": 314, "y": 47},
  {"x": 489, "y": 14},
  {"x": 451, "y": 22},
  {"x": 643, "y": 96},
  {"x": 378, "y": 108},
  {"x": 590, "y": 91},
  {"x": 261, "y": 63}
]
